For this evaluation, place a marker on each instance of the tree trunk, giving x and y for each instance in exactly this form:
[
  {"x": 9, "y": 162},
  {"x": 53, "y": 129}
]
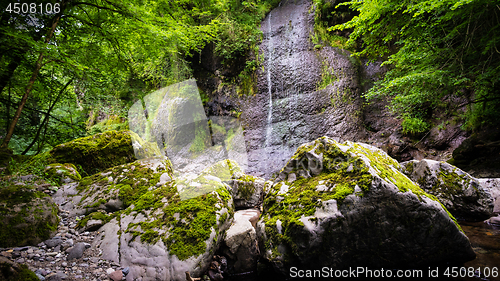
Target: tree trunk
[{"x": 32, "y": 80}]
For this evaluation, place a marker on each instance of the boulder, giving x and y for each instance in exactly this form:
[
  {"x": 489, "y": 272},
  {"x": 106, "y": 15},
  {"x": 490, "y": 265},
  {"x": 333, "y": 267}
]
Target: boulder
[
  {"x": 96, "y": 153},
  {"x": 493, "y": 185},
  {"x": 12, "y": 271},
  {"x": 27, "y": 216},
  {"x": 241, "y": 245},
  {"x": 172, "y": 228},
  {"x": 461, "y": 194},
  {"x": 62, "y": 173},
  {"x": 247, "y": 191},
  {"x": 118, "y": 187},
  {"x": 346, "y": 204}
]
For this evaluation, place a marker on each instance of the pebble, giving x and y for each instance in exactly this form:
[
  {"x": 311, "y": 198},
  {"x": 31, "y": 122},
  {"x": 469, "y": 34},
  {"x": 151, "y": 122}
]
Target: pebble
[{"x": 116, "y": 275}]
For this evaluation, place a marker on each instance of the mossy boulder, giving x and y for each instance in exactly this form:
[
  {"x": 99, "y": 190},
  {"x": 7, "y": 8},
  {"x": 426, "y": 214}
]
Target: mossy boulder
[
  {"x": 115, "y": 188},
  {"x": 12, "y": 271},
  {"x": 160, "y": 235},
  {"x": 96, "y": 153},
  {"x": 62, "y": 173},
  {"x": 461, "y": 194},
  {"x": 247, "y": 191},
  {"x": 27, "y": 216},
  {"x": 342, "y": 205}
]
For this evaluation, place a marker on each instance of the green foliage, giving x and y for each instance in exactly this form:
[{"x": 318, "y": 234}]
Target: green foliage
[
  {"x": 414, "y": 126},
  {"x": 433, "y": 49}
]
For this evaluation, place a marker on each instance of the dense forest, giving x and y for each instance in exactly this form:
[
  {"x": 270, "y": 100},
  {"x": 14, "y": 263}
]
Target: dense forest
[
  {"x": 73, "y": 68},
  {"x": 249, "y": 139}
]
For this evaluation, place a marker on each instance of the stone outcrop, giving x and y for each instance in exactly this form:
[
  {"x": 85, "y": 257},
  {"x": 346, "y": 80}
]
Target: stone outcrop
[
  {"x": 463, "y": 195},
  {"x": 347, "y": 204}
]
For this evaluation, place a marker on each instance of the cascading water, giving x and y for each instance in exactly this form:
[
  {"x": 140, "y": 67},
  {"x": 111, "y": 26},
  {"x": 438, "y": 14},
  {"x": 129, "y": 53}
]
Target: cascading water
[
  {"x": 288, "y": 108},
  {"x": 269, "y": 125}
]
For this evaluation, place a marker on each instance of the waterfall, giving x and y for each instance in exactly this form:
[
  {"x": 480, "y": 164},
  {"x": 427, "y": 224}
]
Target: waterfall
[{"x": 269, "y": 126}]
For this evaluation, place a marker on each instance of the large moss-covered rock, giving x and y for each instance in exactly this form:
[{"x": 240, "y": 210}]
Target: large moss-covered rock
[
  {"x": 168, "y": 224},
  {"x": 161, "y": 236},
  {"x": 27, "y": 216},
  {"x": 341, "y": 205},
  {"x": 461, "y": 194},
  {"x": 96, "y": 153}
]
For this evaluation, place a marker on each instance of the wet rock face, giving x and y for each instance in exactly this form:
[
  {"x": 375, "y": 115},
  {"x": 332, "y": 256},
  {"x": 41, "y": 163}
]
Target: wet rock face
[
  {"x": 303, "y": 92},
  {"x": 464, "y": 196},
  {"x": 347, "y": 204}
]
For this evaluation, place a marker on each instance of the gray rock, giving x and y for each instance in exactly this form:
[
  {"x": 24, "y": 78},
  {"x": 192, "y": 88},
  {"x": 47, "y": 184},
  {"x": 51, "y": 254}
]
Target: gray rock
[
  {"x": 77, "y": 251},
  {"x": 53, "y": 242},
  {"x": 93, "y": 225},
  {"x": 359, "y": 211},
  {"x": 241, "y": 242},
  {"x": 493, "y": 221},
  {"x": 460, "y": 193},
  {"x": 247, "y": 191},
  {"x": 114, "y": 205},
  {"x": 156, "y": 257},
  {"x": 493, "y": 184}
]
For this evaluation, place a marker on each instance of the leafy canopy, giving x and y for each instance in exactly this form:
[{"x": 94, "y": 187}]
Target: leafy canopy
[{"x": 435, "y": 49}]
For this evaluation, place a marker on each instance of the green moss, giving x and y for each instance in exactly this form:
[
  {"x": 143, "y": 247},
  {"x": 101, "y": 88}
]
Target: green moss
[
  {"x": 196, "y": 219},
  {"x": 450, "y": 183},
  {"x": 57, "y": 172},
  {"x": 22, "y": 273},
  {"x": 96, "y": 153},
  {"x": 25, "y": 226},
  {"x": 113, "y": 123},
  {"x": 95, "y": 216}
]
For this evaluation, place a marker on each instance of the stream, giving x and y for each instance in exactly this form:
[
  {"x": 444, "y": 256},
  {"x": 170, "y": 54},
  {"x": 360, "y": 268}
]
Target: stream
[{"x": 485, "y": 240}]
